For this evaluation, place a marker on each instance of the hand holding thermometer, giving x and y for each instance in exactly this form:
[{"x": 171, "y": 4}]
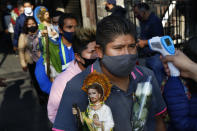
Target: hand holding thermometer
[{"x": 165, "y": 46}]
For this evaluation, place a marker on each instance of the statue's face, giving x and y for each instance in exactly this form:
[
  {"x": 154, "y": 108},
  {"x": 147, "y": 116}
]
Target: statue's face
[
  {"x": 46, "y": 16},
  {"x": 94, "y": 96}
]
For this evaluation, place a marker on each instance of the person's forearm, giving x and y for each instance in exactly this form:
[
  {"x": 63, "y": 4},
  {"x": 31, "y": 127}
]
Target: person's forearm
[
  {"x": 193, "y": 71},
  {"x": 142, "y": 43},
  {"x": 52, "y": 110},
  {"x": 145, "y": 42}
]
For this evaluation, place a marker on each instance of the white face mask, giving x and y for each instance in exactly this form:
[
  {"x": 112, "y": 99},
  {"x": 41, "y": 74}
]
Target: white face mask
[{"x": 28, "y": 11}]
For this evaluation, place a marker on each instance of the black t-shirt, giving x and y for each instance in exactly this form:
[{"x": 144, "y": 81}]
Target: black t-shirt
[{"x": 119, "y": 11}]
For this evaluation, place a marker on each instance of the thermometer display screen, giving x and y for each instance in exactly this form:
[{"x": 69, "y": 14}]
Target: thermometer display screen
[{"x": 168, "y": 42}]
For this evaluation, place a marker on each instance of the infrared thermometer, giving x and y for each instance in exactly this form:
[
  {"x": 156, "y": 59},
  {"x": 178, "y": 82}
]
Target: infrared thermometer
[{"x": 165, "y": 46}]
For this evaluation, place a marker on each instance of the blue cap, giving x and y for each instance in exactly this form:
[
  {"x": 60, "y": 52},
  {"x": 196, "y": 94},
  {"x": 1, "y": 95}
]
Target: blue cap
[{"x": 111, "y": 2}]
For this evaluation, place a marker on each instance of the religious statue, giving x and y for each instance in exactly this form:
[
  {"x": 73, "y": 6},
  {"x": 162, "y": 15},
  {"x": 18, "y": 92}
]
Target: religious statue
[
  {"x": 45, "y": 21},
  {"x": 98, "y": 116},
  {"x": 48, "y": 44}
]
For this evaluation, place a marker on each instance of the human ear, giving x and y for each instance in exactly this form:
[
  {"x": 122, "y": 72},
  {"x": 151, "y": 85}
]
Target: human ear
[
  {"x": 77, "y": 57},
  {"x": 99, "y": 51}
]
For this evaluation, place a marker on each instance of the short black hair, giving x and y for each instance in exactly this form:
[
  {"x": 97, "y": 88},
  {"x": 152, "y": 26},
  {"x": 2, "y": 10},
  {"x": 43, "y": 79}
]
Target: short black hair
[
  {"x": 57, "y": 13},
  {"x": 27, "y": 1},
  {"x": 142, "y": 6},
  {"x": 63, "y": 17},
  {"x": 81, "y": 38},
  {"x": 111, "y": 27},
  {"x": 189, "y": 50},
  {"x": 25, "y": 28}
]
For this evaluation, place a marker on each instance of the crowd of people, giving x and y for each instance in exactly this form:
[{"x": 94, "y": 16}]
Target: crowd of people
[{"x": 88, "y": 77}]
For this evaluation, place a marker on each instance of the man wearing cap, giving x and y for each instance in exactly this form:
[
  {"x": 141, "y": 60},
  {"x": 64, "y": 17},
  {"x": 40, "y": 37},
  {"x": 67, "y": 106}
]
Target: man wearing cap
[{"x": 110, "y": 6}]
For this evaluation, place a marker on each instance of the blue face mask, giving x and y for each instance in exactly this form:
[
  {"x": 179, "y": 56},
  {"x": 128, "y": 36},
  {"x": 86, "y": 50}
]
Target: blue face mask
[
  {"x": 68, "y": 36},
  {"x": 9, "y": 7}
]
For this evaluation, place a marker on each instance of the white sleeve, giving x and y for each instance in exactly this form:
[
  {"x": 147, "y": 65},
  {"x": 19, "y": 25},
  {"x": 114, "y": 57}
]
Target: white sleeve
[
  {"x": 50, "y": 30},
  {"x": 109, "y": 123}
]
